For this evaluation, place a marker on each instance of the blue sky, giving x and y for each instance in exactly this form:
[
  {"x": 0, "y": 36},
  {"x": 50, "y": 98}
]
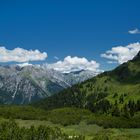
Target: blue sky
[{"x": 82, "y": 28}]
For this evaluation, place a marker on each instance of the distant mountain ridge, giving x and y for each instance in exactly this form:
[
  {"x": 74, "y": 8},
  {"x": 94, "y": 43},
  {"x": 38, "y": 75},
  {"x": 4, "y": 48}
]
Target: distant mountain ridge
[{"x": 21, "y": 84}]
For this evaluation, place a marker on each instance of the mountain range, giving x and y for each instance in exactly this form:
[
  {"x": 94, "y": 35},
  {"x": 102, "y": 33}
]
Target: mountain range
[{"x": 22, "y": 84}]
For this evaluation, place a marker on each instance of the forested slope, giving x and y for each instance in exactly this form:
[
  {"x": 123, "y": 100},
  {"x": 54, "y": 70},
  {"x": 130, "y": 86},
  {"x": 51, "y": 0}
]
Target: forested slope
[{"x": 115, "y": 92}]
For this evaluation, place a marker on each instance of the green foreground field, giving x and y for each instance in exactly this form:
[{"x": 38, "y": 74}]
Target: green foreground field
[
  {"x": 72, "y": 122},
  {"x": 89, "y": 131}
]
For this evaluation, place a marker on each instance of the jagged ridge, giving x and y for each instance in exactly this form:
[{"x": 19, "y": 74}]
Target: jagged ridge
[{"x": 20, "y": 85}]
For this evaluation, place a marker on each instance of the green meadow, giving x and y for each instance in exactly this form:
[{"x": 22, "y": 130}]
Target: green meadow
[
  {"x": 70, "y": 122},
  {"x": 90, "y": 132}
]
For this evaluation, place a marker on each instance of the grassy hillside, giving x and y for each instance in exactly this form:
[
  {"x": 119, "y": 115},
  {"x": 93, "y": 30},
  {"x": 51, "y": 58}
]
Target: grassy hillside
[{"x": 115, "y": 92}]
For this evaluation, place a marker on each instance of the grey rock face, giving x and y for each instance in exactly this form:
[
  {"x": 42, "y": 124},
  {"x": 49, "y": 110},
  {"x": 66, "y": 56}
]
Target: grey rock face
[{"x": 20, "y": 85}]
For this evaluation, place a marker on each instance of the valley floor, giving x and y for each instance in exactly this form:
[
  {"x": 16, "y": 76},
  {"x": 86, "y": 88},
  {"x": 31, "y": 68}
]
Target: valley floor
[
  {"x": 91, "y": 132},
  {"x": 70, "y": 121}
]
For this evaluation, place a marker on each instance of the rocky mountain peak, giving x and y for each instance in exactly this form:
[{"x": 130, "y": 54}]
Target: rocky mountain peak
[{"x": 20, "y": 84}]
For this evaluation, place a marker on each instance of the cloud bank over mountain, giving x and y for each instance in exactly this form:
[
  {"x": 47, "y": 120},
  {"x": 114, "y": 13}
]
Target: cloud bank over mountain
[
  {"x": 70, "y": 64},
  {"x": 21, "y": 55},
  {"x": 121, "y": 54},
  {"x": 25, "y": 57}
]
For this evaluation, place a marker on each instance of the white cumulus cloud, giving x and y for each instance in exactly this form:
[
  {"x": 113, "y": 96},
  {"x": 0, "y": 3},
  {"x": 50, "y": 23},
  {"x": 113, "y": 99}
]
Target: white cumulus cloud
[
  {"x": 134, "y": 31},
  {"x": 121, "y": 54},
  {"x": 21, "y": 55},
  {"x": 70, "y": 64}
]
